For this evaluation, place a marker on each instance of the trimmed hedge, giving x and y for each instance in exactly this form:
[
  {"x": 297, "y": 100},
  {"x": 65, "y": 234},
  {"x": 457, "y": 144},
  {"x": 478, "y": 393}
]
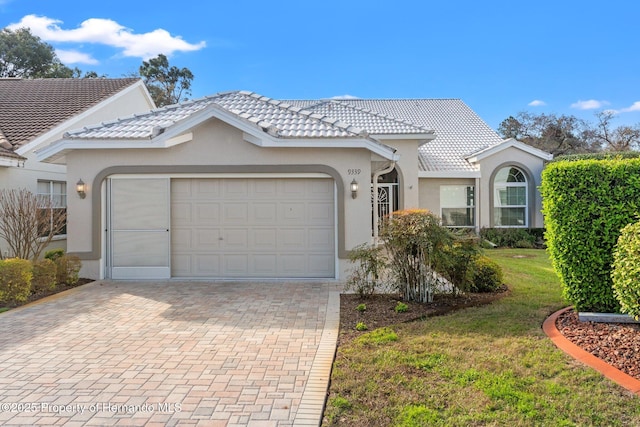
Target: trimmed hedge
[
  {"x": 514, "y": 237},
  {"x": 601, "y": 155},
  {"x": 15, "y": 280},
  {"x": 487, "y": 275},
  {"x": 585, "y": 205},
  {"x": 626, "y": 270}
]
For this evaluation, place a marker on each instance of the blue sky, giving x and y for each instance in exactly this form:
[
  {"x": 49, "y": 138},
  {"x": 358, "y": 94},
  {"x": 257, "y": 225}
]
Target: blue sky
[{"x": 500, "y": 57}]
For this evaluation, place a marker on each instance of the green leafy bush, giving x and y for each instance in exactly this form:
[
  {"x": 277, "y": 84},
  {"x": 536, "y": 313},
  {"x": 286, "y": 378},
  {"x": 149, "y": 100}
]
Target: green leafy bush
[
  {"x": 367, "y": 274},
  {"x": 487, "y": 275},
  {"x": 54, "y": 254},
  {"x": 625, "y": 272},
  {"x": 602, "y": 155},
  {"x": 44, "y": 276},
  {"x": 456, "y": 264},
  {"x": 67, "y": 269},
  {"x": 416, "y": 244},
  {"x": 15, "y": 280},
  {"x": 514, "y": 237},
  {"x": 585, "y": 205}
]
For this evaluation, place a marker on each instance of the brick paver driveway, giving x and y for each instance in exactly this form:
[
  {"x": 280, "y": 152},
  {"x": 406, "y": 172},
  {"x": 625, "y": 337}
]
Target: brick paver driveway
[{"x": 170, "y": 353}]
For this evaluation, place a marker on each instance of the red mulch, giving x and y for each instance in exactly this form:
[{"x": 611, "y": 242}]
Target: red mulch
[{"x": 618, "y": 344}]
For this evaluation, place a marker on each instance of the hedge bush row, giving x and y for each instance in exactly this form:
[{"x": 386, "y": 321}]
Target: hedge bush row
[
  {"x": 585, "y": 205},
  {"x": 626, "y": 270},
  {"x": 514, "y": 237},
  {"x": 19, "y": 278},
  {"x": 602, "y": 155}
]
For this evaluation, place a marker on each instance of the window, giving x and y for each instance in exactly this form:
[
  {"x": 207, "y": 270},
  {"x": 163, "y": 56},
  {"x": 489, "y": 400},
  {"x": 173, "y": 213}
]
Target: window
[
  {"x": 510, "y": 198},
  {"x": 457, "y": 205},
  {"x": 53, "y": 194}
]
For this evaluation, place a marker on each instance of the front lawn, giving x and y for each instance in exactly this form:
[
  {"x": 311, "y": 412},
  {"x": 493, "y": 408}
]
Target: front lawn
[{"x": 490, "y": 365}]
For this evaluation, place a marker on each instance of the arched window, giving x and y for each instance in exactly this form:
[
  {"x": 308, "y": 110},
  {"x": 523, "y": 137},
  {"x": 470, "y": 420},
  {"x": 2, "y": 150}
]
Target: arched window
[{"x": 510, "y": 198}]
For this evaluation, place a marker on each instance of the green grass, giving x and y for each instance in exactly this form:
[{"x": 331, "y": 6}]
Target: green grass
[{"x": 489, "y": 365}]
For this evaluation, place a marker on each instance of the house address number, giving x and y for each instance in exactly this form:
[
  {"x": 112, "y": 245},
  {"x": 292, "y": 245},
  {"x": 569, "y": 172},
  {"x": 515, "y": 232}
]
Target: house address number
[{"x": 354, "y": 171}]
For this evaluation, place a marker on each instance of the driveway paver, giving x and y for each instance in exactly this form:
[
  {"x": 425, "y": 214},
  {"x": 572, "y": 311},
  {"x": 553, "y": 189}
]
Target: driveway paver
[{"x": 170, "y": 353}]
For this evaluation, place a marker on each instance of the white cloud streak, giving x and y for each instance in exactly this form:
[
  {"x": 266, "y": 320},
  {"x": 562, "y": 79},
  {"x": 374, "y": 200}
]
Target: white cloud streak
[
  {"x": 537, "y": 103},
  {"x": 75, "y": 57},
  {"x": 109, "y": 33},
  {"x": 634, "y": 107},
  {"x": 590, "y": 104}
]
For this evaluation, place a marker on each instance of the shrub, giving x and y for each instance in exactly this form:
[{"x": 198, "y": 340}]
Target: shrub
[
  {"x": 585, "y": 205},
  {"x": 366, "y": 276},
  {"x": 514, "y": 237},
  {"x": 625, "y": 272},
  {"x": 458, "y": 260},
  {"x": 487, "y": 275},
  {"x": 416, "y": 244},
  {"x": 54, "y": 254},
  {"x": 15, "y": 280},
  {"x": 44, "y": 276},
  {"x": 401, "y": 307},
  {"x": 67, "y": 269}
]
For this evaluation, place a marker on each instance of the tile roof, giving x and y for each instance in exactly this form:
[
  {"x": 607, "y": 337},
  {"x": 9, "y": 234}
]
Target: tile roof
[
  {"x": 280, "y": 119},
  {"x": 31, "y": 107},
  {"x": 458, "y": 130}
]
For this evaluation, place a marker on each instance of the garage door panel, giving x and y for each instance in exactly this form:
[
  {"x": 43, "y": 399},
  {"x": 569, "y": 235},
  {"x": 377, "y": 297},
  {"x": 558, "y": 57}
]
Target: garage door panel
[
  {"x": 208, "y": 213},
  {"x": 207, "y": 265},
  {"x": 265, "y": 265},
  {"x": 267, "y": 228},
  {"x": 264, "y": 213},
  {"x": 264, "y": 239},
  {"x": 235, "y": 239},
  {"x": 182, "y": 212},
  {"x": 235, "y": 213},
  {"x": 206, "y": 239}
]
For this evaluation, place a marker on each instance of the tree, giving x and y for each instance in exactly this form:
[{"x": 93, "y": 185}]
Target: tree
[
  {"x": 24, "y": 55},
  {"x": 622, "y": 138},
  {"x": 555, "y": 134},
  {"x": 29, "y": 222},
  {"x": 166, "y": 84}
]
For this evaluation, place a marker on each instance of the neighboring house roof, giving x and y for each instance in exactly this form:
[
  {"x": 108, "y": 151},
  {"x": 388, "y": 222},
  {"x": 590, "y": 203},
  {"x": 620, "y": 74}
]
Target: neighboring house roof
[{"x": 31, "y": 107}]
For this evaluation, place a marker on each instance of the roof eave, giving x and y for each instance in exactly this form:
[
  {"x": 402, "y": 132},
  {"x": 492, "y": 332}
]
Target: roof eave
[{"x": 508, "y": 143}]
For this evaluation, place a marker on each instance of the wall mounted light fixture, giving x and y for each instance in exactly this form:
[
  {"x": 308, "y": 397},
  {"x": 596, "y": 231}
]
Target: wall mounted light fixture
[
  {"x": 81, "y": 188},
  {"x": 354, "y": 189}
]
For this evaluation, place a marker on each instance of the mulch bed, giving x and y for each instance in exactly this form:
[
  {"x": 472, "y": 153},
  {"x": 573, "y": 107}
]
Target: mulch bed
[
  {"x": 380, "y": 309},
  {"x": 618, "y": 344},
  {"x": 39, "y": 295}
]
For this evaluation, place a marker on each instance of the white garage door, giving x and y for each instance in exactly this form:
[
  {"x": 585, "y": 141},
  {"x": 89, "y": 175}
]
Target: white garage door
[{"x": 252, "y": 228}]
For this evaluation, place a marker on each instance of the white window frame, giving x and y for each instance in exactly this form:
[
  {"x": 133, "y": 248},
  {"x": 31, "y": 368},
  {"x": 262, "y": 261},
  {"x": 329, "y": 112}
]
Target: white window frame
[
  {"x": 500, "y": 186},
  {"x": 50, "y": 196},
  {"x": 471, "y": 206}
]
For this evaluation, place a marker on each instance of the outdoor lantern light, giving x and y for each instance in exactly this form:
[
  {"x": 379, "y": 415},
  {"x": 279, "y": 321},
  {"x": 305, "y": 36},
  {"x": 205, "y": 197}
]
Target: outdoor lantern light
[
  {"x": 354, "y": 189},
  {"x": 81, "y": 188}
]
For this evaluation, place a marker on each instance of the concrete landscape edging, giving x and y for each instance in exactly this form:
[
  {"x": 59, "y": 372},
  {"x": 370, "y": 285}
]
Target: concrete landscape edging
[{"x": 614, "y": 374}]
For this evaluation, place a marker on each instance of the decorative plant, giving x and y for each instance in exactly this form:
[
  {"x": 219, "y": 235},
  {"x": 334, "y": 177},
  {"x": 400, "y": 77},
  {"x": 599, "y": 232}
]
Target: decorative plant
[
  {"x": 625, "y": 271},
  {"x": 369, "y": 268},
  {"x": 416, "y": 243}
]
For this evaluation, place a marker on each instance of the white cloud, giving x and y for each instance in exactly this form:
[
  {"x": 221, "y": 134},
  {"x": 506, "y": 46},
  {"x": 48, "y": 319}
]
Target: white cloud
[
  {"x": 591, "y": 104},
  {"x": 537, "y": 103},
  {"x": 110, "y": 33},
  {"x": 634, "y": 107},
  {"x": 346, "y": 96},
  {"x": 74, "y": 57}
]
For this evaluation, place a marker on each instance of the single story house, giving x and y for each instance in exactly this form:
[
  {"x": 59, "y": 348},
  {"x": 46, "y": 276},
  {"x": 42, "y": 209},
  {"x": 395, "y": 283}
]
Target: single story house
[
  {"x": 238, "y": 185},
  {"x": 36, "y": 112}
]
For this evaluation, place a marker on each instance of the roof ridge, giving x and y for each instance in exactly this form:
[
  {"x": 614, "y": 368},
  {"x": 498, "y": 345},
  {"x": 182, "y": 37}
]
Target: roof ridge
[
  {"x": 346, "y": 103},
  {"x": 283, "y": 105}
]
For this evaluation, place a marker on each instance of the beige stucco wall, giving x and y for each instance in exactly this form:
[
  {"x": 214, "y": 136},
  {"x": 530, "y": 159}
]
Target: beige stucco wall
[
  {"x": 528, "y": 163},
  {"x": 132, "y": 100},
  {"x": 216, "y": 148}
]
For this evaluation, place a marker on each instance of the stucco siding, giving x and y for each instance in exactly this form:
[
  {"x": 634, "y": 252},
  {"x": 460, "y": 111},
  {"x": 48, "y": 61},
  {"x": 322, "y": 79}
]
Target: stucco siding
[{"x": 218, "y": 150}]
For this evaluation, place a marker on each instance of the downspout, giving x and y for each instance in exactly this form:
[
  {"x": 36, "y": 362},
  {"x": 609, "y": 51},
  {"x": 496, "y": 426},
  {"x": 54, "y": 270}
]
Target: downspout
[
  {"x": 477, "y": 198},
  {"x": 374, "y": 182}
]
